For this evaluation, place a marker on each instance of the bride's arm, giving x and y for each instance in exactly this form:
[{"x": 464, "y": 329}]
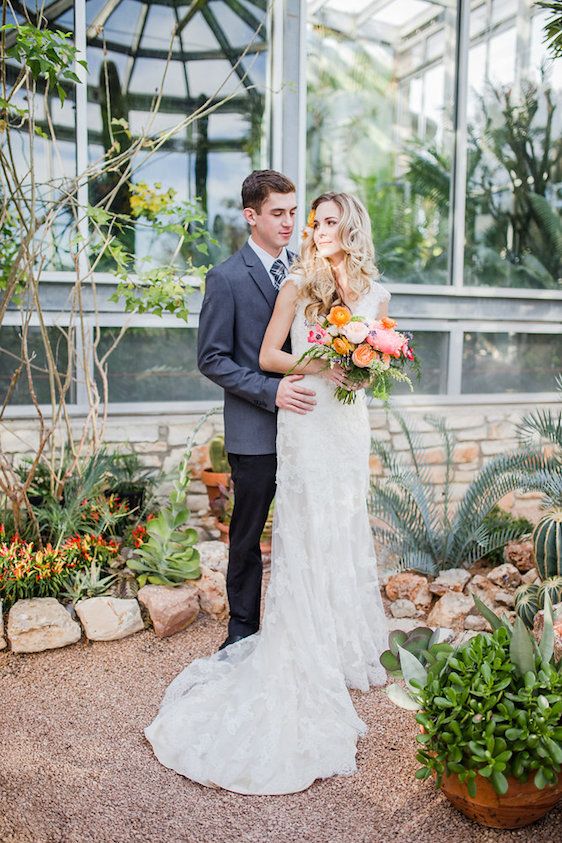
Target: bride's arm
[{"x": 272, "y": 358}]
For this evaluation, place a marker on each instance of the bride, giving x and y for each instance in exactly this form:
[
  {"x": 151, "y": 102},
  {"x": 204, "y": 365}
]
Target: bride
[{"x": 272, "y": 712}]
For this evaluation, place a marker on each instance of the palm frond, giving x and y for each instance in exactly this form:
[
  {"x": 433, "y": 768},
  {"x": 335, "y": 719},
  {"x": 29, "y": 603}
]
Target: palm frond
[
  {"x": 417, "y": 560},
  {"x": 538, "y": 425}
]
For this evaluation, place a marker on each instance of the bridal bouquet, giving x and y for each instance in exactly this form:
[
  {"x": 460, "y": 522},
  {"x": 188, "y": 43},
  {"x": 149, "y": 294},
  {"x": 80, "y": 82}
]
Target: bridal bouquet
[{"x": 371, "y": 353}]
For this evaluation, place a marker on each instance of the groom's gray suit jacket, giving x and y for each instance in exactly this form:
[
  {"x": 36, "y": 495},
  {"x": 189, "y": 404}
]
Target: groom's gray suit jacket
[{"x": 238, "y": 303}]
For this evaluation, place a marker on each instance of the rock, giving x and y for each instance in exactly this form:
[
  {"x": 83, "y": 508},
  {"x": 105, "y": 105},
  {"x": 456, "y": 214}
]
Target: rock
[
  {"x": 2, "y": 639},
  {"x": 539, "y": 626},
  {"x": 531, "y": 576},
  {"x": 41, "y": 623},
  {"x": 109, "y": 618},
  {"x": 171, "y": 609},
  {"x": 506, "y": 598},
  {"x": 506, "y": 576},
  {"x": 477, "y": 623},
  {"x": 463, "y": 637},
  {"x": 404, "y": 609},
  {"x": 212, "y": 594},
  {"x": 450, "y": 610},
  {"x": 214, "y": 555},
  {"x": 454, "y": 579},
  {"x": 444, "y": 635},
  {"x": 405, "y": 624},
  {"x": 520, "y": 552},
  {"x": 409, "y": 586},
  {"x": 483, "y": 588}
]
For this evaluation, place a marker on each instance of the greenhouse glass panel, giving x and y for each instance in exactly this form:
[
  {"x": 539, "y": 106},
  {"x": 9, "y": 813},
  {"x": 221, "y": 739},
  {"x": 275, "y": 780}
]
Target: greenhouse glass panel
[
  {"x": 432, "y": 349},
  {"x": 381, "y": 82},
  {"x": 514, "y": 175},
  {"x": 155, "y": 364},
  {"x": 14, "y": 373},
  {"x": 510, "y": 362},
  {"x": 188, "y": 52}
]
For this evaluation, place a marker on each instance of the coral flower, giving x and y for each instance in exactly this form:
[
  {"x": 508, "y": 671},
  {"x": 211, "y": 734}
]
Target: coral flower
[
  {"x": 339, "y": 315},
  {"x": 342, "y": 346},
  {"x": 363, "y": 356},
  {"x": 310, "y": 219},
  {"x": 388, "y": 323},
  {"x": 385, "y": 340}
]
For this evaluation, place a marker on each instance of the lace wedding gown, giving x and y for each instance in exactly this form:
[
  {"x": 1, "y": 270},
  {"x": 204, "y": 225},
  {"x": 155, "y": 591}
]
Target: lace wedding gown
[{"x": 272, "y": 713}]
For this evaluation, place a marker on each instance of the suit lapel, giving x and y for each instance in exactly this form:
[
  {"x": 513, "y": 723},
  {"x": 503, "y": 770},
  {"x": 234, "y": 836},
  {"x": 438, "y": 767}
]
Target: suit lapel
[{"x": 259, "y": 274}]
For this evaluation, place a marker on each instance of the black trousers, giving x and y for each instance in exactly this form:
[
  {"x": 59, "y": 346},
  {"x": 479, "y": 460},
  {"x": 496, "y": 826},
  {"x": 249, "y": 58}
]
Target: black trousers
[{"x": 253, "y": 476}]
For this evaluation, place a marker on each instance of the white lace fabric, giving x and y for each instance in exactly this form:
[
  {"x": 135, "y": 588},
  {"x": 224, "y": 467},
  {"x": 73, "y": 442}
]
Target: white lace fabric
[{"x": 272, "y": 713}]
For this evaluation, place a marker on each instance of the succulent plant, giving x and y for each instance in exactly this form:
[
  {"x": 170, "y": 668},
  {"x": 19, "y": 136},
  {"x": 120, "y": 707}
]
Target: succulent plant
[
  {"x": 527, "y": 603},
  {"x": 490, "y": 708},
  {"x": 416, "y": 642},
  {"x": 547, "y": 540},
  {"x": 218, "y": 455},
  {"x": 89, "y": 583}
]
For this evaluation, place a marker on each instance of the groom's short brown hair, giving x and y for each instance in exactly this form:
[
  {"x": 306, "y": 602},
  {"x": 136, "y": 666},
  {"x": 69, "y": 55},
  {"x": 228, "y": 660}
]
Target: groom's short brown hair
[{"x": 258, "y": 185}]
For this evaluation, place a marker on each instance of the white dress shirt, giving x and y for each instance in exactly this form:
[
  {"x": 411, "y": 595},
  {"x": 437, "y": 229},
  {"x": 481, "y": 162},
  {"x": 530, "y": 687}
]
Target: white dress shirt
[{"x": 267, "y": 259}]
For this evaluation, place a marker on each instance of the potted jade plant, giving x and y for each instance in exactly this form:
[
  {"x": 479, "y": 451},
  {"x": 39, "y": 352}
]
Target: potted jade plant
[
  {"x": 490, "y": 717},
  {"x": 217, "y": 476}
]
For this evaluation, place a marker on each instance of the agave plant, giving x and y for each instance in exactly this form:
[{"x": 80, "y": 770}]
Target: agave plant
[
  {"x": 420, "y": 524},
  {"x": 87, "y": 583}
]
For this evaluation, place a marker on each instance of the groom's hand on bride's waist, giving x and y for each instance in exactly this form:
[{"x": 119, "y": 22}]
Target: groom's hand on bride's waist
[{"x": 291, "y": 395}]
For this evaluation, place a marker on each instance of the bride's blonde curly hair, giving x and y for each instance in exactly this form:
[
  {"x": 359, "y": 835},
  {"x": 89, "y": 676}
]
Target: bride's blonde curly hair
[{"x": 318, "y": 285}]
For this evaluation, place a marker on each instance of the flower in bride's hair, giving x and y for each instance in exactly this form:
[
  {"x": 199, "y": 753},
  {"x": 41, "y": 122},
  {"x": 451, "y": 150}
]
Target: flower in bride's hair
[
  {"x": 310, "y": 219},
  {"x": 339, "y": 315},
  {"x": 319, "y": 336},
  {"x": 355, "y": 331},
  {"x": 363, "y": 356},
  {"x": 342, "y": 346}
]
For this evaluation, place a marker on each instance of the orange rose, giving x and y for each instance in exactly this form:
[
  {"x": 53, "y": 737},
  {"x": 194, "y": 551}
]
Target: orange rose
[
  {"x": 363, "y": 355},
  {"x": 339, "y": 315},
  {"x": 341, "y": 345},
  {"x": 311, "y": 218},
  {"x": 388, "y": 323}
]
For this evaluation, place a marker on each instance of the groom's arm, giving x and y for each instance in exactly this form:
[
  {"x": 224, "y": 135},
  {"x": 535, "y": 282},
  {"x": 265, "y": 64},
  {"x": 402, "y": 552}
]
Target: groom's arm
[{"x": 215, "y": 348}]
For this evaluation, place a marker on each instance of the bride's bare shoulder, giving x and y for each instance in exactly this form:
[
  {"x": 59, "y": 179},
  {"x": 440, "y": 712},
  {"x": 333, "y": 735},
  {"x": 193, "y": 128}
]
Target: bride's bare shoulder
[{"x": 380, "y": 291}]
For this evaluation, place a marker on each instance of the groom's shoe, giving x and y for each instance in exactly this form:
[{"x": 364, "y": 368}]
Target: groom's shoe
[{"x": 232, "y": 639}]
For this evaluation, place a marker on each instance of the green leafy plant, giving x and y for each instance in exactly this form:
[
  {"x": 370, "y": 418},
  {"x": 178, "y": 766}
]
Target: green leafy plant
[
  {"x": 168, "y": 555},
  {"x": 491, "y": 708},
  {"x": 420, "y": 524},
  {"x": 422, "y": 642},
  {"x": 553, "y": 27}
]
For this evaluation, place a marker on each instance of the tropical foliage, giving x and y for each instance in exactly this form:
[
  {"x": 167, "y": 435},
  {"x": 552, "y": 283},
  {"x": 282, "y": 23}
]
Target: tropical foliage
[{"x": 422, "y": 526}]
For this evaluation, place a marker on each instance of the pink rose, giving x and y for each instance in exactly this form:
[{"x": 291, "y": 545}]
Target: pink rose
[
  {"x": 355, "y": 332},
  {"x": 318, "y": 335}
]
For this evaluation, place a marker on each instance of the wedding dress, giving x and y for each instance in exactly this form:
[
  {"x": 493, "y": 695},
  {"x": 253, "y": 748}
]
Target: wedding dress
[{"x": 272, "y": 713}]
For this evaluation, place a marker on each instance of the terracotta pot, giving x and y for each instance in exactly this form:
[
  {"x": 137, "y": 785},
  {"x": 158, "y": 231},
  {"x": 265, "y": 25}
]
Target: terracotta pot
[
  {"x": 265, "y": 545},
  {"x": 213, "y": 480},
  {"x": 523, "y": 803}
]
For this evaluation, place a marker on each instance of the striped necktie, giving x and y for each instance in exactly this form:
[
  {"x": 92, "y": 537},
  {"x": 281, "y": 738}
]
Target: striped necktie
[{"x": 278, "y": 272}]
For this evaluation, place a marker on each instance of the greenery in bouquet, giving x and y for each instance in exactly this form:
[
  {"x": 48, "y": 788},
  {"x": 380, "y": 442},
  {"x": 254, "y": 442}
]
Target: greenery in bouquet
[
  {"x": 491, "y": 708},
  {"x": 371, "y": 352}
]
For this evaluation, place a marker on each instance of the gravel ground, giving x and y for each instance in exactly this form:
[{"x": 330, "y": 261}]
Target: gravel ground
[{"x": 75, "y": 765}]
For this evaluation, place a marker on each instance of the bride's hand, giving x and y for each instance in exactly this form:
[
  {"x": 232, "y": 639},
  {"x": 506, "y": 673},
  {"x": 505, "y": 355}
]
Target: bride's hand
[{"x": 335, "y": 375}]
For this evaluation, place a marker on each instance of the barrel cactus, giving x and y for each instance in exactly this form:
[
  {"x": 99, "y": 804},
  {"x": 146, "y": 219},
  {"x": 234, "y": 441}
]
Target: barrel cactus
[
  {"x": 527, "y": 602},
  {"x": 547, "y": 540},
  {"x": 553, "y": 587}
]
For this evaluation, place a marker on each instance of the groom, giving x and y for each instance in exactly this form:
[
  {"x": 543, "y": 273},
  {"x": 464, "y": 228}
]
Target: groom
[{"x": 239, "y": 299}]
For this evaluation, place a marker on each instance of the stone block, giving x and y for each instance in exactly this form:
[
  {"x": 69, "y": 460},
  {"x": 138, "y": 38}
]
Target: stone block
[
  {"x": 18, "y": 440},
  {"x": 427, "y": 440},
  {"x": 109, "y": 618},
  {"x": 433, "y": 456},
  {"x": 472, "y": 434},
  {"x": 40, "y": 623},
  {"x": 131, "y": 432},
  {"x": 450, "y": 610},
  {"x": 213, "y": 555},
  {"x": 409, "y": 586},
  {"x": 505, "y": 576},
  {"x": 466, "y": 453},
  {"x": 404, "y": 609},
  {"x": 494, "y": 446},
  {"x": 171, "y": 609},
  {"x": 160, "y": 447},
  {"x": 464, "y": 421},
  {"x": 453, "y": 579}
]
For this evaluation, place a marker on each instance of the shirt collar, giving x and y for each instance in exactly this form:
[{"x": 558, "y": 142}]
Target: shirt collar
[{"x": 267, "y": 259}]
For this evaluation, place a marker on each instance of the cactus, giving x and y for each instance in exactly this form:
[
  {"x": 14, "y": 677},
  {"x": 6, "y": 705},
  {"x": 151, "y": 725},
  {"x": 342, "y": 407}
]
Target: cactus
[
  {"x": 527, "y": 603},
  {"x": 553, "y": 587},
  {"x": 547, "y": 540},
  {"x": 218, "y": 456}
]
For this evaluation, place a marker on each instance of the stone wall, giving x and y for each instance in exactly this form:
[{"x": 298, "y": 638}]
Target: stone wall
[{"x": 481, "y": 432}]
